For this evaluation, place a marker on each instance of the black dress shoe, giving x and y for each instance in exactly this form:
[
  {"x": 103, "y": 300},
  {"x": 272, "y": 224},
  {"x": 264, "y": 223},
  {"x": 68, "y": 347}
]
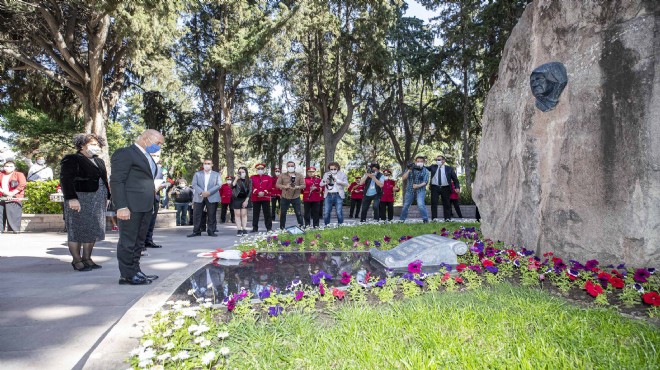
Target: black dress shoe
[
  {"x": 145, "y": 276},
  {"x": 194, "y": 234},
  {"x": 135, "y": 280},
  {"x": 152, "y": 245},
  {"x": 213, "y": 234}
]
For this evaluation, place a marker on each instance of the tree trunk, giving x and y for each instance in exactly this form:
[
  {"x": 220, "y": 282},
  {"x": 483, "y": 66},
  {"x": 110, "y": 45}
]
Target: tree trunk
[
  {"x": 466, "y": 127},
  {"x": 95, "y": 119},
  {"x": 215, "y": 156},
  {"x": 228, "y": 139}
]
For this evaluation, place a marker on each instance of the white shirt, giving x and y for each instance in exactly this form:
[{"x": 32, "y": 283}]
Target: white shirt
[
  {"x": 443, "y": 176},
  {"x": 152, "y": 164},
  {"x": 5, "y": 183},
  {"x": 39, "y": 173},
  {"x": 207, "y": 177}
]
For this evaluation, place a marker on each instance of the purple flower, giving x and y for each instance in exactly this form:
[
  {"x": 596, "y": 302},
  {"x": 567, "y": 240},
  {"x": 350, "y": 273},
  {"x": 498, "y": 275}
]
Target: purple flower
[
  {"x": 299, "y": 240},
  {"x": 415, "y": 266},
  {"x": 591, "y": 264},
  {"x": 275, "y": 310},
  {"x": 316, "y": 279},
  {"x": 386, "y": 239},
  {"x": 639, "y": 288},
  {"x": 651, "y": 270},
  {"x": 355, "y": 238},
  {"x": 621, "y": 266},
  {"x": 318, "y": 236},
  {"x": 516, "y": 262},
  {"x": 418, "y": 282},
  {"x": 345, "y": 278},
  {"x": 285, "y": 243},
  {"x": 231, "y": 303},
  {"x": 526, "y": 252},
  {"x": 380, "y": 283},
  {"x": 295, "y": 282},
  {"x": 376, "y": 243},
  {"x": 264, "y": 294},
  {"x": 408, "y": 276},
  {"x": 574, "y": 272},
  {"x": 492, "y": 269},
  {"x": 299, "y": 295},
  {"x": 401, "y": 239},
  {"x": 446, "y": 266},
  {"x": 641, "y": 275},
  {"x": 242, "y": 294},
  {"x": 498, "y": 259},
  {"x": 475, "y": 268}
]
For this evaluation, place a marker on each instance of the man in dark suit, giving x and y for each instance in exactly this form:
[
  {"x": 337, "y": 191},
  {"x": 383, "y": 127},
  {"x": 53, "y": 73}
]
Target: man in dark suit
[
  {"x": 149, "y": 242},
  {"x": 441, "y": 176},
  {"x": 133, "y": 189}
]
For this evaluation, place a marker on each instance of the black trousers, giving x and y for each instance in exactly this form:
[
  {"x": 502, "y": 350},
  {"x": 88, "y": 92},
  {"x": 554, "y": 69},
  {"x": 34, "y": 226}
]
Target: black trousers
[
  {"x": 457, "y": 207},
  {"x": 366, "y": 202},
  {"x": 274, "y": 206},
  {"x": 256, "y": 209},
  {"x": 386, "y": 207},
  {"x": 11, "y": 214},
  {"x": 211, "y": 213},
  {"x": 132, "y": 234},
  {"x": 442, "y": 192},
  {"x": 223, "y": 212},
  {"x": 295, "y": 202},
  {"x": 313, "y": 212},
  {"x": 355, "y": 204},
  {"x": 152, "y": 223}
]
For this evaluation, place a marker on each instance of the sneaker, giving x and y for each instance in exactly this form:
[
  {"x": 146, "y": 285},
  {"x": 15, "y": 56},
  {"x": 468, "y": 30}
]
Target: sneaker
[
  {"x": 239, "y": 233},
  {"x": 115, "y": 228}
]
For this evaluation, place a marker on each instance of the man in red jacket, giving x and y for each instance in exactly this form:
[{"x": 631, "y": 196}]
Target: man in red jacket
[
  {"x": 225, "y": 200},
  {"x": 387, "y": 199},
  {"x": 357, "y": 193},
  {"x": 275, "y": 194},
  {"x": 262, "y": 185},
  {"x": 312, "y": 197}
]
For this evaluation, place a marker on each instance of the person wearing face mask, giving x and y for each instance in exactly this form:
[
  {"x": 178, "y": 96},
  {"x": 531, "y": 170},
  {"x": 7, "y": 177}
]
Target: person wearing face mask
[
  {"x": 12, "y": 184},
  {"x": 387, "y": 200},
  {"x": 225, "y": 200},
  {"x": 241, "y": 190},
  {"x": 417, "y": 177},
  {"x": 357, "y": 193},
  {"x": 205, "y": 184},
  {"x": 373, "y": 190},
  {"x": 133, "y": 193},
  {"x": 312, "y": 197},
  {"x": 334, "y": 181},
  {"x": 260, "y": 197},
  {"x": 182, "y": 195},
  {"x": 291, "y": 184},
  {"x": 442, "y": 177},
  {"x": 39, "y": 171},
  {"x": 84, "y": 181},
  {"x": 275, "y": 194}
]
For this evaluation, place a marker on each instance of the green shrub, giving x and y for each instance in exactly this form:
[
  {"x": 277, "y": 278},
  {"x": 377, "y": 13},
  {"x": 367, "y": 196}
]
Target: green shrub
[{"x": 38, "y": 201}]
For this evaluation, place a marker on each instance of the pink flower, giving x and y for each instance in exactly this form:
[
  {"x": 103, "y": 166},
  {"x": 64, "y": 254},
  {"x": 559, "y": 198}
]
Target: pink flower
[
  {"x": 299, "y": 295},
  {"x": 321, "y": 289},
  {"x": 338, "y": 293},
  {"x": 415, "y": 267},
  {"x": 345, "y": 278}
]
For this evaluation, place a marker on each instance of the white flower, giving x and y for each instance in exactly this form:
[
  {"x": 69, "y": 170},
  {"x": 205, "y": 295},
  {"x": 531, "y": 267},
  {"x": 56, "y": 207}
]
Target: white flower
[
  {"x": 207, "y": 305},
  {"x": 199, "y": 300},
  {"x": 167, "y": 333},
  {"x": 224, "y": 351},
  {"x": 208, "y": 300},
  {"x": 223, "y": 334},
  {"x": 144, "y": 364},
  {"x": 169, "y": 303},
  {"x": 169, "y": 346},
  {"x": 205, "y": 343},
  {"x": 148, "y": 343},
  {"x": 148, "y": 354},
  {"x": 207, "y": 358},
  {"x": 157, "y": 367},
  {"x": 164, "y": 356},
  {"x": 191, "y": 291},
  {"x": 136, "y": 351},
  {"x": 182, "y": 355}
]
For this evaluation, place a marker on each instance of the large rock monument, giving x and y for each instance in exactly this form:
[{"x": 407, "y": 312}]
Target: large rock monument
[{"x": 581, "y": 179}]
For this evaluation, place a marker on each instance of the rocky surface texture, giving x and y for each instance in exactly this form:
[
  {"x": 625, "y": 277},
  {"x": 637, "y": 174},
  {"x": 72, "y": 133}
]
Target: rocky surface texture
[{"x": 582, "y": 180}]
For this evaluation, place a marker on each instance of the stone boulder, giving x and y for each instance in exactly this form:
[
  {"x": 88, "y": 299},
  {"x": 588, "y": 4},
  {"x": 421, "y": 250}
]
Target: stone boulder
[{"x": 583, "y": 179}]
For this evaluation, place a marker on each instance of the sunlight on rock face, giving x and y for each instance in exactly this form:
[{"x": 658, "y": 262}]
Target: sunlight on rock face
[{"x": 57, "y": 312}]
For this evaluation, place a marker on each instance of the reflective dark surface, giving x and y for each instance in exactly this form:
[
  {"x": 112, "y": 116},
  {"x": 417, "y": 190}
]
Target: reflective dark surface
[{"x": 277, "y": 271}]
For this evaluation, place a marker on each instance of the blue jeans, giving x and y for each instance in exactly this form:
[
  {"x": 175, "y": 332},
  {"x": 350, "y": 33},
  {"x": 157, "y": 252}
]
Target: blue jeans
[
  {"x": 407, "y": 202},
  {"x": 181, "y": 213},
  {"x": 333, "y": 199}
]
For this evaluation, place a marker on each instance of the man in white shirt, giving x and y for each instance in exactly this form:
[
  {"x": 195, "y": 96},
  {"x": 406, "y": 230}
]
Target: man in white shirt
[
  {"x": 441, "y": 178},
  {"x": 334, "y": 181},
  {"x": 39, "y": 171}
]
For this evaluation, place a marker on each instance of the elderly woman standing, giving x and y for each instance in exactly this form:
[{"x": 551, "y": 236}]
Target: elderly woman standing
[
  {"x": 84, "y": 182},
  {"x": 12, "y": 184}
]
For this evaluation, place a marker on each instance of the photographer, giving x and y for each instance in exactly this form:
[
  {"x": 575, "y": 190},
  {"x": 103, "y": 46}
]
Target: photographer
[
  {"x": 373, "y": 190},
  {"x": 334, "y": 182},
  {"x": 182, "y": 195},
  {"x": 291, "y": 184},
  {"x": 418, "y": 177}
]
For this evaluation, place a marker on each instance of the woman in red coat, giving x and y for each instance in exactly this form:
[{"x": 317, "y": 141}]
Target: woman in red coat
[
  {"x": 312, "y": 197},
  {"x": 387, "y": 199},
  {"x": 357, "y": 193},
  {"x": 12, "y": 184},
  {"x": 453, "y": 199}
]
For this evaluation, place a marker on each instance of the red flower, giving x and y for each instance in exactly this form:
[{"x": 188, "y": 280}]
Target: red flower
[
  {"x": 512, "y": 254},
  {"x": 652, "y": 298},
  {"x": 593, "y": 289},
  {"x": 445, "y": 277},
  {"x": 461, "y": 267},
  {"x": 459, "y": 279},
  {"x": 604, "y": 276},
  {"x": 487, "y": 262},
  {"x": 617, "y": 282},
  {"x": 557, "y": 261},
  {"x": 338, "y": 293}
]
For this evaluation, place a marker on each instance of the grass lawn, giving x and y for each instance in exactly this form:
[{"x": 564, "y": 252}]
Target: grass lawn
[{"x": 502, "y": 327}]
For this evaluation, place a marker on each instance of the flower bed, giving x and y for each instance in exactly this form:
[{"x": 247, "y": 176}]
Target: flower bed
[{"x": 186, "y": 336}]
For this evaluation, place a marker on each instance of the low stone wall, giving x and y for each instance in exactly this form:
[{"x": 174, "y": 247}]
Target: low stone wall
[{"x": 167, "y": 218}]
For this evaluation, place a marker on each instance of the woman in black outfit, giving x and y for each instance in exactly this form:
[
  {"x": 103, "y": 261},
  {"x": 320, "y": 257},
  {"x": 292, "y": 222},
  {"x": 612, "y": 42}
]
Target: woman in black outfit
[
  {"x": 84, "y": 182},
  {"x": 240, "y": 197}
]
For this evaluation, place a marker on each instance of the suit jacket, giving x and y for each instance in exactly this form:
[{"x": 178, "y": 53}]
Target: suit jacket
[
  {"x": 449, "y": 172},
  {"x": 132, "y": 181},
  {"x": 79, "y": 174},
  {"x": 198, "y": 187}
]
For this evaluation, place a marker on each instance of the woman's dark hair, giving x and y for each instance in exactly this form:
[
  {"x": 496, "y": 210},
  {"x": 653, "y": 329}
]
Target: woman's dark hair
[
  {"x": 80, "y": 140},
  {"x": 247, "y": 174},
  {"x": 9, "y": 161},
  {"x": 334, "y": 164}
]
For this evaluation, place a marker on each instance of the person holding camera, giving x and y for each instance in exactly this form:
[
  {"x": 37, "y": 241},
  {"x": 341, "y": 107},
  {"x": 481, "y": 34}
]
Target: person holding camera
[
  {"x": 373, "y": 190},
  {"x": 182, "y": 195},
  {"x": 240, "y": 198},
  {"x": 442, "y": 177},
  {"x": 387, "y": 200},
  {"x": 418, "y": 177},
  {"x": 291, "y": 185},
  {"x": 312, "y": 198},
  {"x": 334, "y": 182}
]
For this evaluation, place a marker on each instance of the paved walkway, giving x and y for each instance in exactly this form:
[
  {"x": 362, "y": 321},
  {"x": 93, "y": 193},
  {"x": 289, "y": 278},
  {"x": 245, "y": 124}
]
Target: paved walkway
[{"x": 52, "y": 317}]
